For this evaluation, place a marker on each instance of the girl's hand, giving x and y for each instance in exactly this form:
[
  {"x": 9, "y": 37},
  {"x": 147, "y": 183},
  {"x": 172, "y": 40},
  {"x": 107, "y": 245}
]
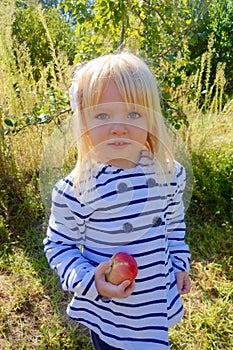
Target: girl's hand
[
  {"x": 183, "y": 282},
  {"x": 109, "y": 290}
]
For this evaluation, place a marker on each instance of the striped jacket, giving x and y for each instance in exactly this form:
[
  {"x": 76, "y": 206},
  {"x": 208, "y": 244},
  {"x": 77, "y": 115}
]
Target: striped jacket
[{"x": 132, "y": 211}]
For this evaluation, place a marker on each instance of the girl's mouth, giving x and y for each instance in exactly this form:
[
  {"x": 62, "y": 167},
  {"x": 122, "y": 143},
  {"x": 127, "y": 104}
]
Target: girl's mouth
[{"x": 118, "y": 143}]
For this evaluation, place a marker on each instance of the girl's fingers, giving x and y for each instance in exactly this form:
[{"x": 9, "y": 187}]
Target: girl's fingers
[
  {"x": 126, "y": 288},
  {"x": 183, "y": 282},
  {"x": 110, "y": 290},
  {"x": 102, "y": 268},
  {"x": 186, "y": 286}
]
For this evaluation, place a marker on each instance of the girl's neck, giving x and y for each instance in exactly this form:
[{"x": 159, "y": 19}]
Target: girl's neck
[{"x": 122, "y": 163}]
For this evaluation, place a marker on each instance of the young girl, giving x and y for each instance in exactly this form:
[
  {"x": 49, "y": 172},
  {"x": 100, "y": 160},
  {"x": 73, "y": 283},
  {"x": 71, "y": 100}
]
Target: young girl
[{"x": 125, "y": 194}]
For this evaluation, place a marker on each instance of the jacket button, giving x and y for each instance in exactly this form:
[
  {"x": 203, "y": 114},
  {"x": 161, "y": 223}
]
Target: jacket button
[
  {"x": 122, "y": 187},
  {"x": 128, "y": 227},
  {"x": 157, "y": 221},
  {"x": 151, "y": 182}
]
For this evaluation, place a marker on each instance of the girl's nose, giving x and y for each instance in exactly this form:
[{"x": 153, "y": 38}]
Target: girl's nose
[{"x": 118, "y": 129}]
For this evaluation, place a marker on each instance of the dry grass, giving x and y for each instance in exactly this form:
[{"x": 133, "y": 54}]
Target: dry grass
[
  {"x": 208, "y": 321},
  {"x": 33, "y": 308}
]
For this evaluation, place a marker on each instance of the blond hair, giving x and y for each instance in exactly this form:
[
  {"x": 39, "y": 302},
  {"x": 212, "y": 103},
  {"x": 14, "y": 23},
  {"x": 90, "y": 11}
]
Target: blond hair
[{"x": 137, "y": 85}]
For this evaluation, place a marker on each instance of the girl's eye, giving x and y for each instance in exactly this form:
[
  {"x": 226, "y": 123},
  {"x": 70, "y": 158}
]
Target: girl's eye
[
  {"x": 102, "y": 116},
  {"x": 134, "y": 115}
]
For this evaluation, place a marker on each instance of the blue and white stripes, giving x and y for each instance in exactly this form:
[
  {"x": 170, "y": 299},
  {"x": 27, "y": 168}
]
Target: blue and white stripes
[{"x": 127, "y": 210}]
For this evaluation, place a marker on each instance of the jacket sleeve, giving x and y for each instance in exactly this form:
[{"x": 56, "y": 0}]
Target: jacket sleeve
[
  {"x": 176, "y": 228},
  {"x": 63, "y": 243}
]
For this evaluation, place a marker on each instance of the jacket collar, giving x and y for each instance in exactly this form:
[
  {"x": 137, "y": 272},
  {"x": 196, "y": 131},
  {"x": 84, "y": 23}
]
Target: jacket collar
[{"x": 146, "y": 159}]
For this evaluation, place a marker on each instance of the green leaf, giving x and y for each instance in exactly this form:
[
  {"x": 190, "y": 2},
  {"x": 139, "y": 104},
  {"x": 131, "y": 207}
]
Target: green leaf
[
  {"x": 8, "y": 122},
  {"x": 111, "y": 5},
  {"x": 29, "y": 119},
  {"x": 4, "y": 131},
  {"x": 177, "y": 126}
]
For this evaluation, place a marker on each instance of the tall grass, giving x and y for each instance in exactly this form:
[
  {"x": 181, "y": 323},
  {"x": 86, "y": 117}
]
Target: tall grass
[
  {"x": 27, "y": 102},
  {"x": 209, "y": 138},
  {"x": 32, "y": 303}
]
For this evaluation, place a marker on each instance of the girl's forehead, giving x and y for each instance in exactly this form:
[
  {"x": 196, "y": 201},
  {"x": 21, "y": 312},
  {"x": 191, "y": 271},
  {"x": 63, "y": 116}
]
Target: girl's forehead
[{"x": 110, "y": 94}]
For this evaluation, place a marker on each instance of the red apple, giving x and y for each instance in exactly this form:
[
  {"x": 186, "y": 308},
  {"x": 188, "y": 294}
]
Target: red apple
[{"x": 124, "y": 267}]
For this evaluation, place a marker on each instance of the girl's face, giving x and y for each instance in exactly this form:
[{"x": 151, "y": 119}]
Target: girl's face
[{"x": 116, "y": 130}]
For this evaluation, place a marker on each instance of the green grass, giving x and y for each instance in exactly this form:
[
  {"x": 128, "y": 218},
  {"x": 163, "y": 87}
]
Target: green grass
[
  {"x": 32, "y": 304},
  {"x": 208, "y": 321}
]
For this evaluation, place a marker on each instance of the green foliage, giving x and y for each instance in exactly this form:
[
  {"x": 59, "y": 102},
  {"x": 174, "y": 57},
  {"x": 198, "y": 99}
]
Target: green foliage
[
  {"x": 49, "y": 3},
  {"x": 153, "y": 29},
  {"x": 98, "y": 26},
  {"x": 166, "y": 34},
  {"x": 31, "y": 26},
  {"x": 31, "y": 94},
  {"x": 209, "y": 137},
  {"x": 213, "y": 185},
  {"x": 171, "y": 36},
  {"x": 217, "y": 21},
  {"x": 51, "y": 105},
  {"x": 30, "y": 98}
]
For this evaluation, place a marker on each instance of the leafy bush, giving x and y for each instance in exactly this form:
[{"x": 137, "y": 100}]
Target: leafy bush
[{"x": 213, "y": 185}]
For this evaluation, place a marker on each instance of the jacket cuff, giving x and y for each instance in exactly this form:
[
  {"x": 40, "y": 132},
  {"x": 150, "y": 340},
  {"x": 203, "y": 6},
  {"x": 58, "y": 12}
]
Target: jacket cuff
[{"x": 181, "y": 265}]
